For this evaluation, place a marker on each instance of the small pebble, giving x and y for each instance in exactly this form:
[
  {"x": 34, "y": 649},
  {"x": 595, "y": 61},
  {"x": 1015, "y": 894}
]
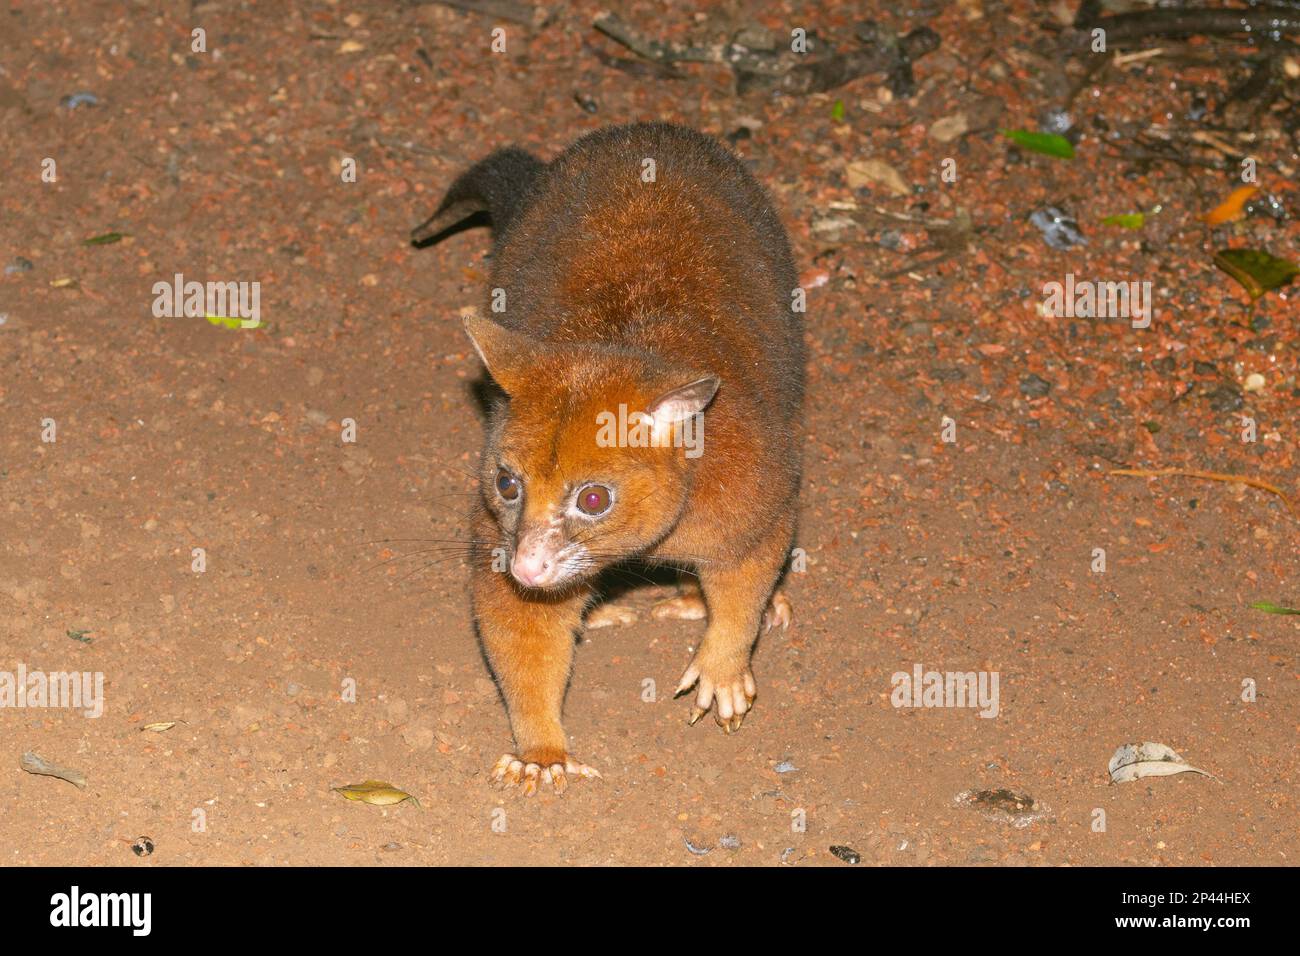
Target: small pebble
[
  {"x": 1031, "y": 386},
  {"x": 1055, "y": 120},
  {"x": 890, "y": 239},
  {"x": 1060, "y": 229},
  {"x": 1267, "y": 205},
  {"x": 1225, "y": 398}
]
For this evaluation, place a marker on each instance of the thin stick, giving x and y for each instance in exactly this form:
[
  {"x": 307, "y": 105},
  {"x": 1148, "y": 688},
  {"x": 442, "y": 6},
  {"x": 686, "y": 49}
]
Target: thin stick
[
  {"x": 501, "y": 9},
  {"x": 1209, "y": 476},
  {"x": 620, "y": 31}
]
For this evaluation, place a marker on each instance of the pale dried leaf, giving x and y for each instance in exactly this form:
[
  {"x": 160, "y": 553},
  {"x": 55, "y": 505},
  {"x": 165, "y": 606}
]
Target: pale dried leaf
[
  {"x": 864, "y": 172},
  {"x": 376, "y": 793},
  {"x": 1133, "y": 761}
]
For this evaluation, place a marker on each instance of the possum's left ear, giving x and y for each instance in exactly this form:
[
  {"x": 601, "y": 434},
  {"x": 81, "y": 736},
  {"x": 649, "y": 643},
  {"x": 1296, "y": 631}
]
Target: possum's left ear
[
  {"x": 508, "y": 355},
  {"x": 681, "y": 403}
]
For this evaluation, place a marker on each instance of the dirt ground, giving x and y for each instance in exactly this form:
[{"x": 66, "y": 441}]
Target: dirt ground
[{"x": 978, "y": 554}]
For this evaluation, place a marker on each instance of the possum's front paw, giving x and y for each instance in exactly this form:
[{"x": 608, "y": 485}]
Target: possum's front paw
[
  {"x": 728, "y": 689},
  {"x": 531, "y": 768}
]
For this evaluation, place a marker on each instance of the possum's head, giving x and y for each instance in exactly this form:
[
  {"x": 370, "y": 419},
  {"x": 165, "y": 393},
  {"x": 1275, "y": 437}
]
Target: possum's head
[{"x": 589, "y": 461}]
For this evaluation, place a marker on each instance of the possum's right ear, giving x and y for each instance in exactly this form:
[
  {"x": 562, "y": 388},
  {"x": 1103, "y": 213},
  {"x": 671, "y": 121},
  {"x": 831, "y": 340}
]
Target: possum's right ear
[{"x": 508, "y": 355}]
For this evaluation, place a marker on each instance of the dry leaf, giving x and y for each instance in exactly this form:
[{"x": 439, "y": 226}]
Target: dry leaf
[
  {"x": 864, "y": 171},
  {"x": 1133, "y": 761},
  {"x": 375, "y": 792}
]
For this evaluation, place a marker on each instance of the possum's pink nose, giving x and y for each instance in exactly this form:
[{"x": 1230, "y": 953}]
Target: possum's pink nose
[{"x": 533, "y": 567}]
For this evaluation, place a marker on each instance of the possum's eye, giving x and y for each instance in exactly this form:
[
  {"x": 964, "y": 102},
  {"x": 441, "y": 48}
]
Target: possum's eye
[
  {"x": 507, "y": 485},
  {"x": 594, "y": 500}
]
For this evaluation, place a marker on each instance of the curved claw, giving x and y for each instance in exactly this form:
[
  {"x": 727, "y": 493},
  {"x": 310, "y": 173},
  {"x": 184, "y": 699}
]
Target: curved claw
[
  {"x": 779, "y": 612},
  {"x": 512, "y": 771},
  {"x": 730, "y": 700}
]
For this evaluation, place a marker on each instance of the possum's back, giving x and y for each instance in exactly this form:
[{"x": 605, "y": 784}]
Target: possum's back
[{"x": 655, "y": 237}]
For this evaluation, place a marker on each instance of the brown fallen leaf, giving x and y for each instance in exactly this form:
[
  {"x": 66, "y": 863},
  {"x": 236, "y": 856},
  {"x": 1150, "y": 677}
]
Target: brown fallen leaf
[
  {"x": 375, "y": 792},
  {"x": 34, "y": 763}
]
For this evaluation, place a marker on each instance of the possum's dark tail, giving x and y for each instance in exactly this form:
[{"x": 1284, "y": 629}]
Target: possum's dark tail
[{"x": 496, "y": 185}]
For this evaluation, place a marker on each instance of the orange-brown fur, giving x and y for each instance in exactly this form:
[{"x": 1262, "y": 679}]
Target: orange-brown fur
[{"x": 618, "y": 291}]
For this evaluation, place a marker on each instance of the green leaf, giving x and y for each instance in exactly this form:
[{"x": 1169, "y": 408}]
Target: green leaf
[
  {"x": 1256, "y": 270},
  {"x": 1049, "y": 144},
  {"x": 105, "y": 239},
  {"x": 1270, "y": 608},
  {"x": 80, "y": 635},
  {"x": 837, "y": 111},
  {"x": 1126, "y": 220}
]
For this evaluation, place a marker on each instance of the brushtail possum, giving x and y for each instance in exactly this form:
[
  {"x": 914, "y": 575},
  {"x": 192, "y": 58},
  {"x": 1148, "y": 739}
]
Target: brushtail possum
[{"x": 643, "y": 328}]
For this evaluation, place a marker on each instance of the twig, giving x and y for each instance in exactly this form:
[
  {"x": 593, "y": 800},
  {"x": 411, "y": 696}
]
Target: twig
[
  {"x": 500, "y": 9},
  {"x": 1209, "y": 476},
  {"x": 617, "y": 29},
  {"x": 642, "y": 67},
  {"x": 880, "y": 51},
  {"x": 1140, "y": 152},
  {"x": 1189, "y": 21},
  {"x": 1124, "y": 59},
  {"x": 1094, "y": 74}
]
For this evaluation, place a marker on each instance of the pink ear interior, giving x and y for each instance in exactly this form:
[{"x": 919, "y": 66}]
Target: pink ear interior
[{"x": 681, "y": 403}]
